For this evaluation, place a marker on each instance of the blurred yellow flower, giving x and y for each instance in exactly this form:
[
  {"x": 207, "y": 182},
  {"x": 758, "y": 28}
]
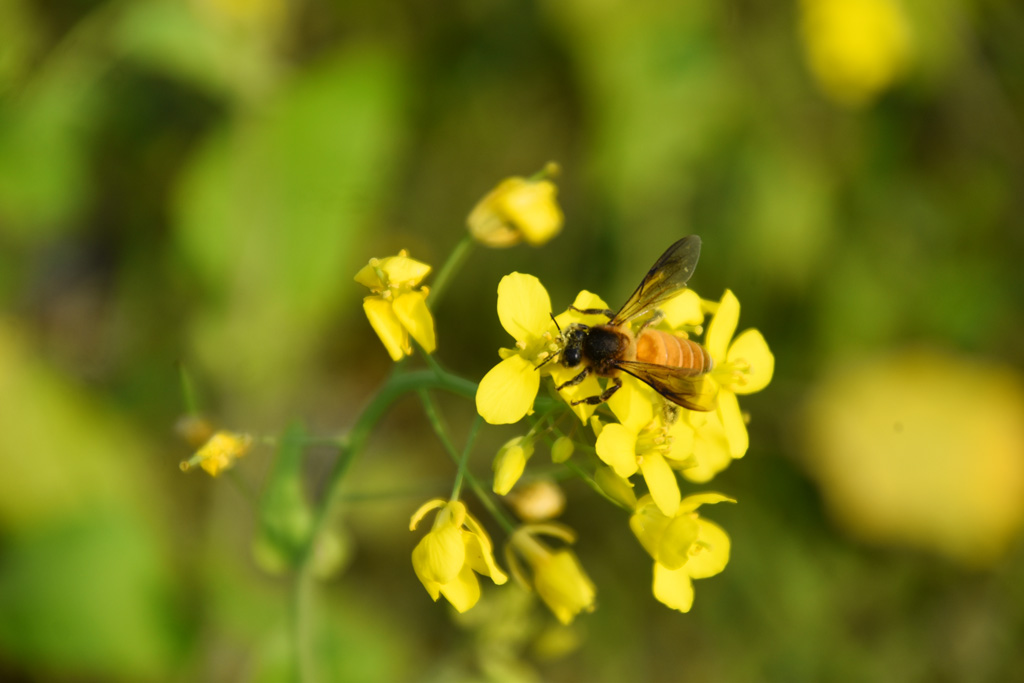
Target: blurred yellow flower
[
  {"x": 684, "y": 546},
  {"x": 925, "y": 449},
  {"x": 507, "y": 392},
  {"x": 537, "y": 501},
  {"x": 558, "y": 577},
  {"x": 855, "y": 48},
  {"x": 645, "y": 441},
  {"x": 447, "y": 557},
  {"x": 397, "y": 308},
  {"x": 518, "y": 209},
  {"x": 219, "y": 453}
]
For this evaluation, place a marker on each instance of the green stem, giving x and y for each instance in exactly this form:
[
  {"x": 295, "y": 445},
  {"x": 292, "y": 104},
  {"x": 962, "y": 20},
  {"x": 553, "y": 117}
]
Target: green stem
[
  {"x": 397, "y": 385},
  {"x": 481, "y": 493},
  {"x": 450, "y": 267},
  {"x": 188, "y": 391},
  {"x": 464, "y": 461}
]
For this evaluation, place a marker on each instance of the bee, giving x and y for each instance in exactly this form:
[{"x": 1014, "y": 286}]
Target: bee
[{"x": 674, "y": 366}]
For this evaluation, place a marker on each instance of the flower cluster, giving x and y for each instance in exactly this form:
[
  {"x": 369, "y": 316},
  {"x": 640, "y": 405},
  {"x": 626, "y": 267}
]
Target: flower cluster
[
  {"x": 640, "y": 434},
  {"x": 648, "y": 434}
]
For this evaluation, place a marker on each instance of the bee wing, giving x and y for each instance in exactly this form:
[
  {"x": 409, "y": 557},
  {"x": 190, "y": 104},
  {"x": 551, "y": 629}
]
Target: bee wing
[
  {"x": 682, "y": 386},
  {"x": 667, "y": 276}
]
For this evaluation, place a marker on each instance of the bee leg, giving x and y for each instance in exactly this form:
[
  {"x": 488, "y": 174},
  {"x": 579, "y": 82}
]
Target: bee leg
[
  {"x": 575, "y": 380},
  {"x": 607, "y": 312},
  {"x": 653, "y": 320},
  {"x": 603, "y": 396}
]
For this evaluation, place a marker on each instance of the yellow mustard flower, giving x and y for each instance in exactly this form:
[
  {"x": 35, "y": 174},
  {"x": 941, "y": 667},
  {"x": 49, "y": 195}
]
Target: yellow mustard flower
[
  {"x": 219, "y": 452},
  {"x": 645, "y": 440},
  {"x": 507, "y": 392},
  {"x": 518, "y": 209},
  {"x": 743, "y": 365},
  {"x": 684, "y": 546},
  {"x": 855, "y": 48},
  {"x": 398, "y": 306},
  {"x": 558, "y": 577},
  {"x": 447, "y": 557},
  {"x": 510, "y": 463}
]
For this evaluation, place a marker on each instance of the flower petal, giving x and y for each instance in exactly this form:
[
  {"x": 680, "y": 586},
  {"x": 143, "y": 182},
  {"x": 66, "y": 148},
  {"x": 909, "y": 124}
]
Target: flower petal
[
  {"x": 387, "y": 326},
  {"x": 524, "y": 307},
  {"x": 420, "y": 513},
  {"x": 723, "y": 326},
  {"x": 648, "y": 524},
  {"x": 480, "y": 554},
  {"x": 506, "y": 393},
  {"x": 531, "y": 206},
  {"x": 488, "y": 225},
  {"x": 751, "y": 347},
  {"x": 398, "y": 271},
  {"x": 463, "y": 591},
  {"x": 683, "y": 438},
  {"x": 677, "y": 541},
  {"x": 411, "y": 310},
  {"x": 732, "y": 421},
  {"x": 617, "y": 447},
  {"x": 661, "y": 482},
  {"x": 710, "y": 450},
  {"x": 564, "y": 586},
  {"x": 584, "y": 300},
  {"x": 710, "y": 553},
  {"x": 683, "y": 309},
  {"x": 691, "y": 503},
  {"x": 439, "y": 555},
  {"x": 585, "y": 389},
  {"x": 403, "y": 271},
  {"x": 632, "y": 404},
  {"x": 673, "y": 588}
]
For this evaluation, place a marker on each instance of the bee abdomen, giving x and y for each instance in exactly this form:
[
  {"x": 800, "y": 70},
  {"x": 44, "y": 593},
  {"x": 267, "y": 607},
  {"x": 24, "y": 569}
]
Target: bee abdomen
[{"x": 662, "y": 348}]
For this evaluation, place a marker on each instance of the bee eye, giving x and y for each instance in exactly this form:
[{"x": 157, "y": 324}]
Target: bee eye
[{"x": 571, "y": 357}]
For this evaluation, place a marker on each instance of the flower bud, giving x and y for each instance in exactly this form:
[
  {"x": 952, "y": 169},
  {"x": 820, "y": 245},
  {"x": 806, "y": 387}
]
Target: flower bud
[
  {"x": 510, "y": 463},
  {"x": 562, "y": 449}
]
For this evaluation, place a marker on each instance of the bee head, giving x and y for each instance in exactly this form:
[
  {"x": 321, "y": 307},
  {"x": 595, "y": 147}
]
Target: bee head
[{"x": 572, "y": 344}]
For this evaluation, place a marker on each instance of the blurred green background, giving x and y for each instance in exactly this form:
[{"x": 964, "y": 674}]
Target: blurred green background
[{"x": 197, "y": 182}]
